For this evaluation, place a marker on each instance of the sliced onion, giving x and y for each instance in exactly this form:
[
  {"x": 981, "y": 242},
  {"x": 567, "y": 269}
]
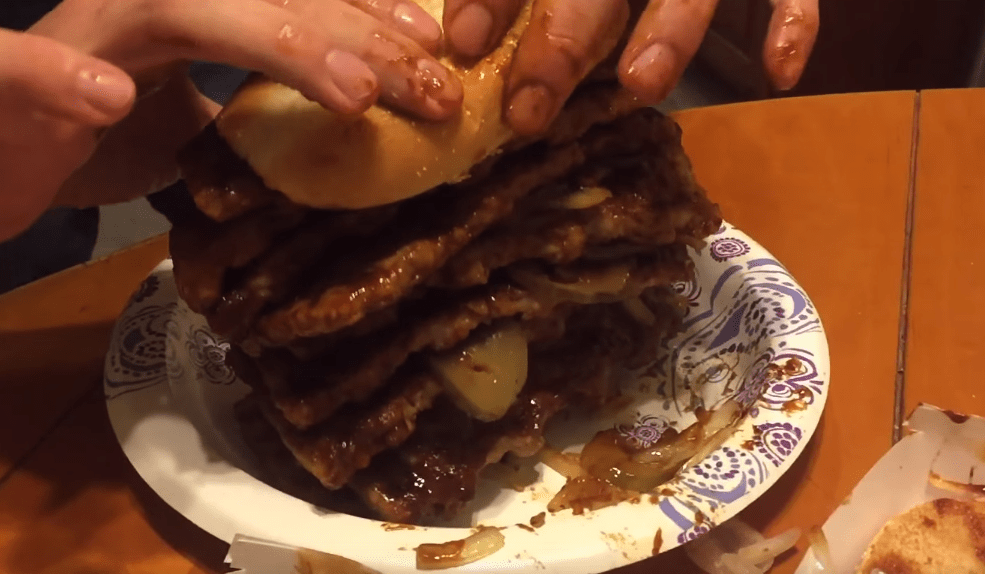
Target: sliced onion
[
  {"x": 482, "y": 544},
  {"x": 312, "y": 562},
  {"x": 695, "y": 441},
  {"x": 585, "y": 197},
  {"x": 640, "y": 311},
  {"x": 486, "y": 376},
  {"x": 765, "y": 552},
  {"x": 822, "y": 551},
  {"x": 717, "y": 431},
  {"x": 567, "y": 465},
  {"x": 733, "y": 564},
  {"x": 735, "y": 548},
  {"x": 606, "y": 457},
  {"x": 603, "y": 287}
]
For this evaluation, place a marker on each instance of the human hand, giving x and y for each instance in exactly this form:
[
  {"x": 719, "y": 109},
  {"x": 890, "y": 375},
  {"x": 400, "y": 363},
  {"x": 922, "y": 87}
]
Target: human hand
[
  {"x": 53, "y": 101},
  {"x": 563, "y": 35},
  {"x": 344, "y": 54}
]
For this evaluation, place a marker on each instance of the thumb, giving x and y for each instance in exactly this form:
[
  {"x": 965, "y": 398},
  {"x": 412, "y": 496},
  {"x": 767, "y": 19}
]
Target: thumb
[
  {"x": 52, "y": 101},
  {"x": 61, "y": 81}
]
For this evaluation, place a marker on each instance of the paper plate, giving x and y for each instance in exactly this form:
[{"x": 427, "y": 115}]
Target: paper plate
[{"x": 751, "y": 334}]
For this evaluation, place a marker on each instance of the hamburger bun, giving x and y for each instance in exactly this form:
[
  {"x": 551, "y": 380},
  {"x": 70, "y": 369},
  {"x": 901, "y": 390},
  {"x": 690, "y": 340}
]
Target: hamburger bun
[
  {"x": 944, "y": 536},
  {"x": 322, "y": 159}
]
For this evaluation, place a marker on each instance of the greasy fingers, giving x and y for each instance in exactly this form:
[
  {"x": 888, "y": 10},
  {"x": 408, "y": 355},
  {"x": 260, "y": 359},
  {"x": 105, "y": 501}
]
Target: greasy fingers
[
  {"x": 47, "y": 77},
  {"x": 408, "y": 77},
  {"x": 665, "y": 40},
  {"x": 333, "y": 52},
  {"x": 336, "y": 54},
  {"x": 407, "y": 16},
  {"x": 270, "y": 37},
  {"x": 792, "y": 32},
  {"x": 474, "y": 27},
  {"x": 564, "y": 38}
]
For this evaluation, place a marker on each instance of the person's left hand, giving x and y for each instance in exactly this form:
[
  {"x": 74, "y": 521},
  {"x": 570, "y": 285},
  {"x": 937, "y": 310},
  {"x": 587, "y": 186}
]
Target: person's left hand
[{"x": 564, "y": 34}]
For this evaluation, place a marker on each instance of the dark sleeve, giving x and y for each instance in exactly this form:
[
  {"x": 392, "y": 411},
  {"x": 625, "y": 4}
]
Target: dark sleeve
[
  {"x": 173, "y": 202},
  {"x": 58, "y": 240},
  {"x": 21, "y": 14}
]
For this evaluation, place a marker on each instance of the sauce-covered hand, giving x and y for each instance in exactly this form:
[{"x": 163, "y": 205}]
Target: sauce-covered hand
[
  {"x": 102, "y": 92},
  {"x": 564, "y": 34}
]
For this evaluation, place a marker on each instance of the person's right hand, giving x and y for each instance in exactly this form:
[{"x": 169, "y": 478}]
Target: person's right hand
[
  {"x": 565, "y": 35},
  {"x": 95, "y": 100}
]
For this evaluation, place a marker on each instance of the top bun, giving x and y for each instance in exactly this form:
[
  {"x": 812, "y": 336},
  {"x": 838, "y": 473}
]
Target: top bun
[{"x": 322, "y": 159}]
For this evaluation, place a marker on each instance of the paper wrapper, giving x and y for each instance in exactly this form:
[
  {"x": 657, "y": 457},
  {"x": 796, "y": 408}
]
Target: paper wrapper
[
  {"x": 942, "y": 456},
  {"x": 248, "y": 555}
]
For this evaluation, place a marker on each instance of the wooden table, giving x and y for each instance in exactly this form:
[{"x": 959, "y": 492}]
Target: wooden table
[{"x": 872, "y": 201}]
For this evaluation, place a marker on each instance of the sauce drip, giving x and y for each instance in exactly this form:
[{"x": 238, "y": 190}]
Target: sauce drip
[
  {"x": 800, "y": 402},
  {"x": 956, "y": 418}
]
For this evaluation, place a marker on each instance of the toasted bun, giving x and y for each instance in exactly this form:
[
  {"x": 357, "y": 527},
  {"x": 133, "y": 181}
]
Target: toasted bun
[
  {"x": 938, "y": 537},
  {"x": 325, "y": 160}
]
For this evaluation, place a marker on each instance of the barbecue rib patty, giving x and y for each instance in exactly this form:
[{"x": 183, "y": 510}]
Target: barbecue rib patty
[
  {"x": 337, "y": 317},
  {"x": 411, "y": 455}
]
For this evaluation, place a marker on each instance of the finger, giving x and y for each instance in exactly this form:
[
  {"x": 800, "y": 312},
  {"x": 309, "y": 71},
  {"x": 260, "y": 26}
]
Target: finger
[
  {"x": 336, "y": 54},
  {"x": 147, "y": 142},
  {"x": 408, "y": 17},
  {"x": 408, "y": 76},
  {"x": 789, "y": 41},
  {"x": 563, "y": 39},
  {"x": 475, "y": 27},
  {"x": 664, "y": 42},
  {"x": 47, "y": 77}
]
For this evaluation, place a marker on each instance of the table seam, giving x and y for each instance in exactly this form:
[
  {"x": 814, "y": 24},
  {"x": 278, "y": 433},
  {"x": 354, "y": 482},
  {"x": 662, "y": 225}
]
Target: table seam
[
  {"x": 22, "y": 460},
  {"x": 899, "y": 390}
]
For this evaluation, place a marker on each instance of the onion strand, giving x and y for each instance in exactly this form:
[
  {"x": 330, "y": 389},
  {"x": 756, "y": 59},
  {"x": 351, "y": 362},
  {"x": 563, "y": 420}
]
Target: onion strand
[
  {"x": 735, "y": 548},
  {"x": 482, "y": 544}
]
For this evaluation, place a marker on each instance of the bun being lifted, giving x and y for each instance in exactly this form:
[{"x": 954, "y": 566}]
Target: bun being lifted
[
  {"x": 412, "y": 301},
  {"x": 323, "y": 159}
]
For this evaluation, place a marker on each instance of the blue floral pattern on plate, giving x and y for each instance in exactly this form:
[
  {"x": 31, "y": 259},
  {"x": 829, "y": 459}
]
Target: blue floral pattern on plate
[{"x": 750, "y": 335}]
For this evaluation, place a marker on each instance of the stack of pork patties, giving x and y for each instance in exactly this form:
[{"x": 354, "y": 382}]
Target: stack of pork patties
[{"x": 397, "y": 350}]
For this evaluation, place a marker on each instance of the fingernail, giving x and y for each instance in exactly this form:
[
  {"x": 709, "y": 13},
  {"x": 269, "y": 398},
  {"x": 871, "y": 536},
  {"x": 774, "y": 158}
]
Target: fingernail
[
  {"x": 442, "y": 92},
  {"x": 788, "y": 77},
  {"x": 351, "y": 76},
  {"x": 106, "y": 89},
  {"x": 415, "y": 22},
  {"x": 788, "y": 61},
  {"x": 531, "y": 109},
  {"x": 653, "y": 69},
  {"x": 471, "y": 30}
]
